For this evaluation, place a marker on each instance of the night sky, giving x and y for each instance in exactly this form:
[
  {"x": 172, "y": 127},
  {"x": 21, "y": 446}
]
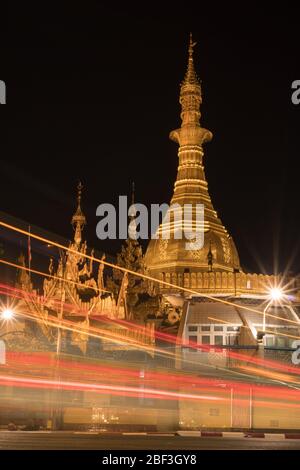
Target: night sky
[{"x": 92, "y": 94}]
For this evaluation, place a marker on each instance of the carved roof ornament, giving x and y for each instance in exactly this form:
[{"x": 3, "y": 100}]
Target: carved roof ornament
[
  {"x": 78, "y": 219},
  {"x": 51, "y": 266}
]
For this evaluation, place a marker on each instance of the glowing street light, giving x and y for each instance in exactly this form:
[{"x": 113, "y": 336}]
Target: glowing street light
[
  {"x": 276, "y": 294},
  {"x": 7, "y": 314}
]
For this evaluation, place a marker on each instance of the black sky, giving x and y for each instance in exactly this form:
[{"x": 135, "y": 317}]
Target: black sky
[{"x": 92, "y": 93}]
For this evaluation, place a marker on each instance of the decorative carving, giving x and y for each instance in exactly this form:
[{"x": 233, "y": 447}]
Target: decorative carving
[
  {"x": 173, "y": 316},
  {"x": 226, "y": 250},
  {"x": 163, "y": 245}
]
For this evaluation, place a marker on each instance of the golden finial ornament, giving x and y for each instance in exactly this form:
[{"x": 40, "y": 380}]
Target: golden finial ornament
[
  {"x": 79, "y": 191},
  {"x": 78, "y": 219},
  {"x": 191, "y": 76},
  {"x": 191, "y": 46}
]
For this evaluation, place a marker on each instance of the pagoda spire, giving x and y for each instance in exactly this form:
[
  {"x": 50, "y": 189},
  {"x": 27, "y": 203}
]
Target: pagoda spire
[
  {"x": 78, "y": 219},
  {"x": 191, "y": 188},
  {"x": 190, "y": 99},
  {"x": 191, "y": 135},
  {"x": 191, "y": 76}
]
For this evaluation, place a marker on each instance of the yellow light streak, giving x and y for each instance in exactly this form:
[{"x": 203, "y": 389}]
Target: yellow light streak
[
  {"x": 41, "y": 273},
  {"x": 91, "y": 331},
  {"x": 134, "y": 273},
  {"x": 265, "y": 331}
]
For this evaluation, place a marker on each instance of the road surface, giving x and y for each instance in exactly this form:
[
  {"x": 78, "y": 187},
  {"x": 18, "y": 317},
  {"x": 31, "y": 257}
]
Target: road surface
[{"x": 25, "y": 440}]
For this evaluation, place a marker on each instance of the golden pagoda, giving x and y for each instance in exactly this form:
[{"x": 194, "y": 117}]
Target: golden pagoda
[
  {"x": 166, "y": 256},
  {"x": 75, "y": 291}
]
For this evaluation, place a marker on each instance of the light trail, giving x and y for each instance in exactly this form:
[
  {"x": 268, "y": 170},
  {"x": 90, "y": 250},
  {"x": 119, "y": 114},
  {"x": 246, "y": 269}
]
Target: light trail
[
  {"x": 142, "y": 276},
  {"x": 268, "y": 374},
  {"x": 275, "y": 333},
  {"x": 90, "y": 331},
  {"x": 137, "y": 391},
  {"x": 51, "y": 276},
  {"x": 167, "y": 337},
  {"x": 129, "y": 271},
  {"x": 43, "y": 362},
  {"x": 25, "y": 295},
  {"x": 190, "y": 344},
  {"x": 119, "y": 339}
]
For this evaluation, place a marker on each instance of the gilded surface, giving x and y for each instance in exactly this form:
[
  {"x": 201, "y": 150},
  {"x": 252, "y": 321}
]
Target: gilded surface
[{"x": 191, "y": 188}]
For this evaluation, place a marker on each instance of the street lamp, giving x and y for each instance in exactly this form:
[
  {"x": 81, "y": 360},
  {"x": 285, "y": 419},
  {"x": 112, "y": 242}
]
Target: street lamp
[{"x": 7, "y": 314}]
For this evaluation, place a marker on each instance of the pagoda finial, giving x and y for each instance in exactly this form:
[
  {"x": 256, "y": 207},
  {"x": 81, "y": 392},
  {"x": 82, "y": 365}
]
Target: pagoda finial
[
  {"x": 191, "y": 76},
  {"x": 78, "y": 219},
  {"x": 191, "y": 47},
  {"x": 79, "y": 191},
  {"x": 190, "y": 99}
]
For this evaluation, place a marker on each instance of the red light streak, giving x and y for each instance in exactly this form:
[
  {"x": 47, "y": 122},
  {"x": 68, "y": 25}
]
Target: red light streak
[
  {"x": 171, "y": 339},
  {"x": 43, "y": 363}
]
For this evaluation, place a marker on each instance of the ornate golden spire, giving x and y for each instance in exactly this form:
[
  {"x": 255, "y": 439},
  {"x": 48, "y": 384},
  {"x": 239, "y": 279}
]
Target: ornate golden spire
[
  {"x": 190, "y": 99},
  {"x": 191, "y": 76},
  {"x": 78, "y": 219},
  {"x": 219, "y": 251}
]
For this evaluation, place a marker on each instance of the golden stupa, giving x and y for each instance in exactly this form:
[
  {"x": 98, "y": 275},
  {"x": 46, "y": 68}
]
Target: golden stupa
[{"x": 218, "y": 252}]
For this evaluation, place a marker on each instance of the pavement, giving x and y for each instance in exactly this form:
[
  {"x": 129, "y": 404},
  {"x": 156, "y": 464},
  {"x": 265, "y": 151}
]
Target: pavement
[{"x": 195, "y": 440}]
